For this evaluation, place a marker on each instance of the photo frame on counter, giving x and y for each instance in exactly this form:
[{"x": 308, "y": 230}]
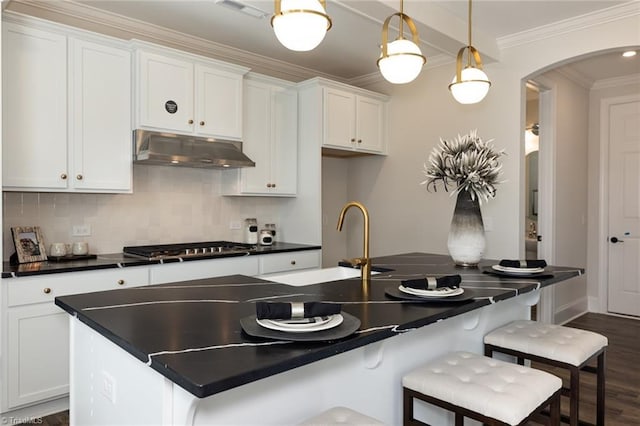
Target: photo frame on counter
[{"x": 29, "y": 244}]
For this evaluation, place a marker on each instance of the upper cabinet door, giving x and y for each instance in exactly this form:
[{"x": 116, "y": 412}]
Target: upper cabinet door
[
  {"x": 34, "y": 113},
  {"x": 284, "y": 151},
  {"x": 100, "y": 136},
  {"x": 218, "y": 103},
  {"x": 339, "y": 118},
  {"x": 370, "y": 124},
  {"x": 165, "y": 92},
  {"x": 257, "y": 139}
]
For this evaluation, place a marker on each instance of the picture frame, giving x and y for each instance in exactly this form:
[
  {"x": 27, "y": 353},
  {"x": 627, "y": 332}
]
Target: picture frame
[{"x": 29, "y": 244}]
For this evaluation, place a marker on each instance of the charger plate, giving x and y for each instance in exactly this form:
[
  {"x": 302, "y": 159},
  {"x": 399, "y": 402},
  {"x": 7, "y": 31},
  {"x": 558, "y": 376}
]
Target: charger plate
[
  {"x": 395, "y": 293},
  {"x": 349, "y": 325}
]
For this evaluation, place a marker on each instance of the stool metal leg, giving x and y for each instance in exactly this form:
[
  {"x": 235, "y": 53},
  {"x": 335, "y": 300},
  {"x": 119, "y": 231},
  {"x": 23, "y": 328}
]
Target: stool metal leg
[
  {"x": 600, "y": 389},
  {"x": 554, "y": 411}
]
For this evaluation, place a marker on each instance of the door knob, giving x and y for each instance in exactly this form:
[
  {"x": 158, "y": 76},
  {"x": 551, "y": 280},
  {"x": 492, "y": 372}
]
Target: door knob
[{"x": 616, "y": 240}]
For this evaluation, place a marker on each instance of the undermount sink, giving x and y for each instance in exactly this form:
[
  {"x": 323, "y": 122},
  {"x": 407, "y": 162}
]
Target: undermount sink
[{"x": 316, "y": 276}]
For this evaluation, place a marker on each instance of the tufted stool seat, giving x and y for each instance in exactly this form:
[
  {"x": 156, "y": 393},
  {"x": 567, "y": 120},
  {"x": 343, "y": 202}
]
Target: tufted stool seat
[
  {"x": 485, "y": 389},
  {"x": 559, "y": 346},
  {"x": 341, "y": 416}
]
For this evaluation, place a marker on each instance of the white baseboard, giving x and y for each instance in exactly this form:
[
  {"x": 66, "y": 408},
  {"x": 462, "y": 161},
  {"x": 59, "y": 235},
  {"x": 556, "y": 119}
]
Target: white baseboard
[{"x": 571, "y": 311}]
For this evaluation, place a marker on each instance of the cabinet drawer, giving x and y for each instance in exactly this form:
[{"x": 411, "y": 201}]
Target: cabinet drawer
[
  {"x": 290, "y": 261},
  {"x": 26, "y": 290}
]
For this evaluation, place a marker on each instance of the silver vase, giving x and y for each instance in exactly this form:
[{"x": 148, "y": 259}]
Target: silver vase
[{"x": 466, "y": 241}]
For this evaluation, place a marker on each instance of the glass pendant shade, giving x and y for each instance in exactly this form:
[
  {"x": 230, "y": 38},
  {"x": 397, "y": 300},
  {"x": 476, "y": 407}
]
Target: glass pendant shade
[
  {"x": 300, "y": 25},
  {"x": 403, "y": 62},
  {"x": 472, "y": 88},
  {"x": 470, "y": 85}
]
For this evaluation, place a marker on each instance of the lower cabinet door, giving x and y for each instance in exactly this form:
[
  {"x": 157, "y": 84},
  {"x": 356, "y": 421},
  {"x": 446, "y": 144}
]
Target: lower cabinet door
[{"x": 38, "y": 350}]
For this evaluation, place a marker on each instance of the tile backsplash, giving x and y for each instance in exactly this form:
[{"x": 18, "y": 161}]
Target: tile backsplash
[{"x": 167, "y": 205}]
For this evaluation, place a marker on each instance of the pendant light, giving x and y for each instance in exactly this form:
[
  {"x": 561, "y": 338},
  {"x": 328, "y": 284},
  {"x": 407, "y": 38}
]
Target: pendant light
[
  {"x": 300, "y": 25},
  {"x": 470, "y": 85},
  {"x": 401, "y": 60}
]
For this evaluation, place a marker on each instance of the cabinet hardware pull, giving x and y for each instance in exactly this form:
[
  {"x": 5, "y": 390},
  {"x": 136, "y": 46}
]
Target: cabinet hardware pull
[
  {"x": 293, "y": 262},
  {"x": 353, "y": 139},
  {"x": 615, "y": 240},
  {"x": 359, "y": 140},
  {"x": 120, "y": 282},
  {"x": 63, "y": 176},
  {"x": 273, "y": 185},
  {"x": 190, "y": 122},
  {"x": 79, "y": 177},
  {"x": 46, "y": 290},
  {"x": 202, "y": 123}
]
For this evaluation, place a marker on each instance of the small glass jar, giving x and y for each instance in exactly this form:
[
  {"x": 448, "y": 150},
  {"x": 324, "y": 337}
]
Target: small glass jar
[{"x": 271, "y": 227}]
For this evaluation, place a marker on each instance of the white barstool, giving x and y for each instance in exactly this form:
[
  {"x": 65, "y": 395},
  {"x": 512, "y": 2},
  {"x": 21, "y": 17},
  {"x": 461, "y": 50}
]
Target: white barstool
[
  {"x": 559, "y": 346},
  {"x": 491, "y": 391},
  {"x": 341, "y": 416}
]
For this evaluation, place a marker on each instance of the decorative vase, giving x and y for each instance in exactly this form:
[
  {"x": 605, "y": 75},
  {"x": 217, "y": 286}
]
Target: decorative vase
[{"x": 466, "y": 241}]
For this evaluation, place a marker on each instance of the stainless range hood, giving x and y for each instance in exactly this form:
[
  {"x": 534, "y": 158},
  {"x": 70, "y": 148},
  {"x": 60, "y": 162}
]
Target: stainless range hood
[{"x": 168, "y": 149}]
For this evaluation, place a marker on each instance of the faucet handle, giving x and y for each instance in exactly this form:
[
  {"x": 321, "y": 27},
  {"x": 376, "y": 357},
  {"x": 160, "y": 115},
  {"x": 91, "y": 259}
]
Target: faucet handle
[{"x": 356, "y": 261}]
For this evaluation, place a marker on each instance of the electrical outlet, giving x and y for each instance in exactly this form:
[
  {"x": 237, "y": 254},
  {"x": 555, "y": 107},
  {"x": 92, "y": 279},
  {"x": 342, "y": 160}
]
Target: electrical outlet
[
  {"x": 108, "y": 387},
  {"x": 234, "y": 224},
  {"x": 81, "y": 230}
]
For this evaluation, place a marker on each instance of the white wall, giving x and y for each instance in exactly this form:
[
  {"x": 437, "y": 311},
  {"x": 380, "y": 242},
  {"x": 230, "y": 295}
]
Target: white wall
[
  {"x": 334, "y": 179},
  {"x": 403, "y": 216}
]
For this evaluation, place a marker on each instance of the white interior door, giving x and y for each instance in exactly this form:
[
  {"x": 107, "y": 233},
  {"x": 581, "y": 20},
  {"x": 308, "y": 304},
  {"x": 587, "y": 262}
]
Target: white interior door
[{"x": 624, "y": 208}]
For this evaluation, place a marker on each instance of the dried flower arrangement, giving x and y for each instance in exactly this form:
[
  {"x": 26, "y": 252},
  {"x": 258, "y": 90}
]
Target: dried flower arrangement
[{"x": 467, "y": 162}]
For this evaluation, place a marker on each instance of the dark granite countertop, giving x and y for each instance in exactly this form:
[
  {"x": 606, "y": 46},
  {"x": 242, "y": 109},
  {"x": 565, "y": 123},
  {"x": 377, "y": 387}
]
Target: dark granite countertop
[
  {"x": 118, "y": 260},
  {"x": 197, "y": 342}
]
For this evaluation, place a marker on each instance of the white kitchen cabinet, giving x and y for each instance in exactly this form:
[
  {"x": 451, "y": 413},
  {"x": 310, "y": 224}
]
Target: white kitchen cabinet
[
  {"x": 187, "y": 94},
  {"x": 353, "y": 122},
  {"x": 67, "y": 112},
  {"x": 34, "y": 113},
  {"x": 200, "y": 269},
  {"x": 290, "y": 261},
  {"x": 36, "y": 365},
  {"x": 270, "y": 139}
]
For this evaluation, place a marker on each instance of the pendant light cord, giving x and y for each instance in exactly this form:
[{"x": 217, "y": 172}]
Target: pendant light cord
[
  {"x": 401, "y": 18},
  {"x": 469, "y": 30}
]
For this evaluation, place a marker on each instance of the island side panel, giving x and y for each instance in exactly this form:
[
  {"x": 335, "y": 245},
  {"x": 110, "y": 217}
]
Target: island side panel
[{"x": 367, "y": 379}]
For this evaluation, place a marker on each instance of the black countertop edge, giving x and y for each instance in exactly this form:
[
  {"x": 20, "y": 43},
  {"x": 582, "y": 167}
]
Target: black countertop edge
[{"x": 118, "y": 260}]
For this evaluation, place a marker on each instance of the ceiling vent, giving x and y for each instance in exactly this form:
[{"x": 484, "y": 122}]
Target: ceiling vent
[{"x": 244, "y": 8}]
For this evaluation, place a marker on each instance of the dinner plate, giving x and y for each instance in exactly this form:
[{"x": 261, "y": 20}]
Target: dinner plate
[
  {"x": 300, "y": 323},
  {"x": 395, "y": 293},
  {"x": 438, "y": 292},
  {"x": 292, "y": 327},
  {"x": 523, "y": 271},
  {"x": 350, "y": 325}
]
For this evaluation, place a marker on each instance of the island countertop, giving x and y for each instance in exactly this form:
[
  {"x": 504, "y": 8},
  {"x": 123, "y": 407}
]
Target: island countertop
[{"x": 190, "y": 331}]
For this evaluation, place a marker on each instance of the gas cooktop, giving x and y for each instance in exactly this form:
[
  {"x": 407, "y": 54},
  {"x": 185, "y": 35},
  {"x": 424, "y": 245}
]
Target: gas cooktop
[{"x": 187, "y": 250}]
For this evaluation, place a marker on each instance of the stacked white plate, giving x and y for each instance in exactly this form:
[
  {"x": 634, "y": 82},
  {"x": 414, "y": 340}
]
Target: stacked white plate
[
  {"x": 518, "y": 271},
  {"x": 302, "y": 325},
  {"x": 438, "y": 292}
]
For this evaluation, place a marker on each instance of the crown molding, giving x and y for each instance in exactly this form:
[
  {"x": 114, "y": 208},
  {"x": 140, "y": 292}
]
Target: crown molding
[
  {"x": 613, "y": 13},
  {"x": 88, "y": 17},
  {"x": 617, "y": 82}
]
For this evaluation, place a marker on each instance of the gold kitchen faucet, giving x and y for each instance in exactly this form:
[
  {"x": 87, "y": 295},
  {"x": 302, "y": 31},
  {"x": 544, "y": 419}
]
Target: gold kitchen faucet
[{"x": 365, "y": 261}]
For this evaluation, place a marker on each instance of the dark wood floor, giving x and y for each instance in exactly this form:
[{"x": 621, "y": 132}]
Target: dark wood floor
[
  {"x": 622, "y": 379},
  {"x": 622, "y": 386}
]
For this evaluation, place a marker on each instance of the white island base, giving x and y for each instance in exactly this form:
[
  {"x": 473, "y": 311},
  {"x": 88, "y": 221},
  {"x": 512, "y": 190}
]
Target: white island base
[{"x": 110, "y": 387}]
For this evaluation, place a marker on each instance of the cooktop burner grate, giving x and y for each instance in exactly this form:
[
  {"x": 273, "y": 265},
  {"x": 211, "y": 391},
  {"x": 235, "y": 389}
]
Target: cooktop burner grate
[{"x": 182, "y": 250}]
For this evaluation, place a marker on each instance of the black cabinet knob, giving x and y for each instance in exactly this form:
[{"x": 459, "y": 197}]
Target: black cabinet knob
[{"x": 616, "y": 240}]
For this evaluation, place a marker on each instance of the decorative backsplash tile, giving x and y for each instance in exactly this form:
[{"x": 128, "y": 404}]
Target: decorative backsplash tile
[{"x": 168, "y": 205}]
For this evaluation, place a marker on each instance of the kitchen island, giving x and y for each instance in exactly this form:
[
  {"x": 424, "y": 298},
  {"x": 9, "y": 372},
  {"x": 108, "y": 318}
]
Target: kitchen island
[{"x": 176, "y": 353}]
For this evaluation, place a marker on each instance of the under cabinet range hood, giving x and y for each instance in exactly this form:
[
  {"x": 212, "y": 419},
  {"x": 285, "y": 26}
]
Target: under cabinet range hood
[{"x": 169, "y": 149}]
